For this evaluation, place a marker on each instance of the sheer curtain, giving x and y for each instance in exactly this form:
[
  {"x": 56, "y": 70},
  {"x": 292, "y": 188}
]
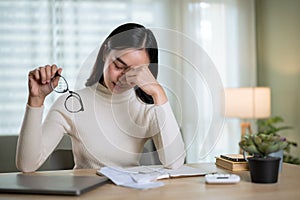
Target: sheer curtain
[{"x": 218, "y": 51}]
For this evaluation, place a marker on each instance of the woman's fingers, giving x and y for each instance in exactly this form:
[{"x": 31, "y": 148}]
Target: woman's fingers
[
  {"x": 56, "y": 79},
  {"x": 54, "y": 70},
  {"x": 48, "y": 70},
  {"x": 42, "y": 71},
  {"x": 44, "y": 74},
  {"x": 140, "y": 75},
  {"x": 47, "y": 73},
  {"x": 34, "y": 74}
]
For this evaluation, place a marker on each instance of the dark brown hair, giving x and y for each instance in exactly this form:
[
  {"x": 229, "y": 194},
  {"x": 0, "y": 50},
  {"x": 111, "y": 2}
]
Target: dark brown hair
[{"x": 129, "y": 35}]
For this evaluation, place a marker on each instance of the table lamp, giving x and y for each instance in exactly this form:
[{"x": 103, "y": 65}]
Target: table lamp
[{"x": 247, "y": 103}]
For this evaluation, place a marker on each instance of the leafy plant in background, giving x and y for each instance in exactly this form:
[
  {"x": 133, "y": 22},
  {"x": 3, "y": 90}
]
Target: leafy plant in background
[
  {"x": 270, "y": 127},
  {"x": 267, "y": 140}
]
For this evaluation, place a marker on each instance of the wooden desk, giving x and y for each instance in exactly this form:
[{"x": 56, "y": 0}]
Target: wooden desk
[{"x": 188, "y": 188}]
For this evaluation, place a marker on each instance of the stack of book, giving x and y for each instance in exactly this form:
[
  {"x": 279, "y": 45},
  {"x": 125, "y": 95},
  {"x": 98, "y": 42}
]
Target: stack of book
[{"x": 232, "y": 165}]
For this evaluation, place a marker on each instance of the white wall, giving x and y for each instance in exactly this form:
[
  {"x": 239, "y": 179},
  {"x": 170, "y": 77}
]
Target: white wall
[{"x": 278, "y": 42}]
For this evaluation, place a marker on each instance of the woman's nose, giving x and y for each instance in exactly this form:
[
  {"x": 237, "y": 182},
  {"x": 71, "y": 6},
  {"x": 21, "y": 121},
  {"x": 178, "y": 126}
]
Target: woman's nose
[{"x": 120, "y": 74}]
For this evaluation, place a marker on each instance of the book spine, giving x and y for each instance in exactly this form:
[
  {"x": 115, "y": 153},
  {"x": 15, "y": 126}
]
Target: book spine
[
  {"x": 224, "y": 164},
  {"x": 233, "y": 166}
]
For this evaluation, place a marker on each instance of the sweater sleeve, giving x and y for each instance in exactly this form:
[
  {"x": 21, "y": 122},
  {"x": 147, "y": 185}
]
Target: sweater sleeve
[
  {"x": 38, "y": 139},
  {"x": 168, "y": 141}
]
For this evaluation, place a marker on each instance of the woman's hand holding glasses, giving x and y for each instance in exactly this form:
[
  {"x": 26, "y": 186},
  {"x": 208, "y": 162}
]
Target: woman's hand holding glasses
[
  {"x": 39, "y": 84},
  {"x": 44, "y": 80}
]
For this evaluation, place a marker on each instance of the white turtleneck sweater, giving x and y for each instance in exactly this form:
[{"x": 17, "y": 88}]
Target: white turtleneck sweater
[{"x": 111, "y": 131}]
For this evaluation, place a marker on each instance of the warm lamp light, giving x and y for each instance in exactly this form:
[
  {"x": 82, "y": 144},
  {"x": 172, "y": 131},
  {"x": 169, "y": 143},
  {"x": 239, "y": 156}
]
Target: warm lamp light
[{"x": 247, "y": 103}]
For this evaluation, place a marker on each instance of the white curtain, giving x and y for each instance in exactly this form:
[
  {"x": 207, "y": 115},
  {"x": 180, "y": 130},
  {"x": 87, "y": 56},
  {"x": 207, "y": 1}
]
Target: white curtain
[{"x": 213, "y": 48}]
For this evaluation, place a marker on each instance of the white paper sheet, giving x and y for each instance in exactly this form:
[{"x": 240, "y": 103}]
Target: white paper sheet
[
  {"x": 131, "y": 179},
  {"x": 167, "y": 173},
  {"x": 145, "y": 177}
]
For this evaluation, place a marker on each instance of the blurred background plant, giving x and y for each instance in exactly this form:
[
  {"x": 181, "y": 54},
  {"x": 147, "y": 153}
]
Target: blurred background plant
[
  {"x": 267, "y": 140},
  {"x": 271, "y": 126}
]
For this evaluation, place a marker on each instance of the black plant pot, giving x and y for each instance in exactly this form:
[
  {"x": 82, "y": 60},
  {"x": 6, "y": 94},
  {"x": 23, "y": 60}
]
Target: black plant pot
[{"x": 264, "y": 170}]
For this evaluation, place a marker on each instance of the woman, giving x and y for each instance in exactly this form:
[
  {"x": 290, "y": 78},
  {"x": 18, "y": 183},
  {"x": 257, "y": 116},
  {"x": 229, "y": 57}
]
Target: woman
[{"x": 121, "y": 108}]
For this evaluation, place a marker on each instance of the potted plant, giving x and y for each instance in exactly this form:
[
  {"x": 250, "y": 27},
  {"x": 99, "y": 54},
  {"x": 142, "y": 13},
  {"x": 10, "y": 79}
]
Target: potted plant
[
  {"x": 267, "y": 142},
  {"x": 263, "y": 167}
]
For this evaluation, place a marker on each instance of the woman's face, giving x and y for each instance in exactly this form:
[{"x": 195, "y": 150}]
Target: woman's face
[{"x": 118, "y": 62}]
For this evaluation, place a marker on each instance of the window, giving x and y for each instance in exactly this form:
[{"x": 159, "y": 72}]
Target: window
[{"x": 36, "y": 33}]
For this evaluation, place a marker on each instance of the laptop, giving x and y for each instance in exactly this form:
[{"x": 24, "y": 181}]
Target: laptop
[{"x": 45, "y": 184}]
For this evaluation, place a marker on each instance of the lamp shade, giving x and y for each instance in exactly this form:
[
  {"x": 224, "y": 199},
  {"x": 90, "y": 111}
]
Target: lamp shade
[{"x": 249, "y": 102}]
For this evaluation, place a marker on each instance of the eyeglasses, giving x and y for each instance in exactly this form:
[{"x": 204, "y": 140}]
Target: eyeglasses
[{"x": 73, "y": 102}]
